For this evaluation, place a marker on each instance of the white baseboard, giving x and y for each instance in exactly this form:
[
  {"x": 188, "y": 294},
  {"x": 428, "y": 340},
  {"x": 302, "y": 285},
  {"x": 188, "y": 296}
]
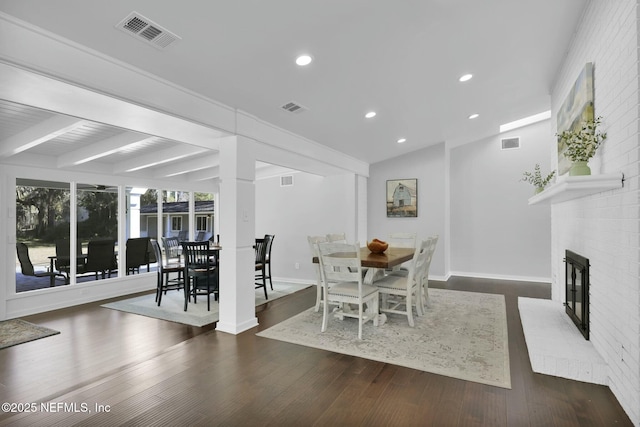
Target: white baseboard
[
  {"x": 291, "y": 280},
  {"x": 500, "y": 277},
  {"x": 439, "y": 278}
]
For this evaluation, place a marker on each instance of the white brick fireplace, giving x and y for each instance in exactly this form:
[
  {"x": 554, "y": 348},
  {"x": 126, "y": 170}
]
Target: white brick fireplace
[{"x": 605, "y": 226}]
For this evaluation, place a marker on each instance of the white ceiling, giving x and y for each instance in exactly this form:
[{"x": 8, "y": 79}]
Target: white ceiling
[{"x": 400, "y": 58}]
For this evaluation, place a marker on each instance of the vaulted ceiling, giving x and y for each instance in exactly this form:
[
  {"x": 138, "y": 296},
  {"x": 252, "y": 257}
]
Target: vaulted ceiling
[{"x": 401, "y": 59}]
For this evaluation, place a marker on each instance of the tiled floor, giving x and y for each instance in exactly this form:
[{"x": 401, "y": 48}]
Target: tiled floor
[{"x": 556, "y": 346}]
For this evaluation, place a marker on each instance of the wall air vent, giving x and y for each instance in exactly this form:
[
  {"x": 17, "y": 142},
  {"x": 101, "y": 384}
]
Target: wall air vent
[
  {"x": 286, "y": 180},
  {"x": 294, "y": 107},
  {"x": 510, "y": 143},
  {"x": 147, "y": 31}
]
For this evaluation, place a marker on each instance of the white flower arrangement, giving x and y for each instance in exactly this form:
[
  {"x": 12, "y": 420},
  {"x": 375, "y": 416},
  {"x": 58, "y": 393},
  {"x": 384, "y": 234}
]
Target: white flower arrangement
[{"x": 582, "y": 143}]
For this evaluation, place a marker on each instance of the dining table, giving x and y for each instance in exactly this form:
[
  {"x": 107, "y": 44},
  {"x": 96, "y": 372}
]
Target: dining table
[{"x": 377, "y": 263}]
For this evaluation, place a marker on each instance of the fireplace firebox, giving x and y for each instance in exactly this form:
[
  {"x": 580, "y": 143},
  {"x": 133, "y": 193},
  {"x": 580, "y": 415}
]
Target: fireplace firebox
[{"x": 577, "y": 290}]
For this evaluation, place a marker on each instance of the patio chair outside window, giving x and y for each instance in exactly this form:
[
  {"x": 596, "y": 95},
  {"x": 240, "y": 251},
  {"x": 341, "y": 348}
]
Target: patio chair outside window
[
  {"x": 101, "y": 257},
  {"x": 28, "y": 269},
  {"x": 137, "y": 254}
]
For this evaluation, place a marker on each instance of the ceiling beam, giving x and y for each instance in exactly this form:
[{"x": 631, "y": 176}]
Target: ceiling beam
[
  {"x": 154, "y": 158},
  {"x": 204, "y": 174},
  {"x": 189, "y": 165},
  {"x": 271, "y": 171},
  {"x": 102, "y": 148},
  {"x": 39, "y": 134}
]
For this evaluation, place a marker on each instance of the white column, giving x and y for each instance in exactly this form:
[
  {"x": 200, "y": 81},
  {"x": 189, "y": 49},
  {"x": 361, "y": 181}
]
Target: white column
[
  {"x": 133, "y": 218},
  {"x": 237, "y": 225}
]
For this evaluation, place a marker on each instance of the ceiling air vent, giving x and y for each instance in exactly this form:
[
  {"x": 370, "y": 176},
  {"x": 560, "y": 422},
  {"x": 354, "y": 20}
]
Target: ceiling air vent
[
  {"x": 286, "y": 180},
  {"x": 510, "y": 143},
  {"x": 294, "y": 107},
  {"x": 147, "y": 31}
]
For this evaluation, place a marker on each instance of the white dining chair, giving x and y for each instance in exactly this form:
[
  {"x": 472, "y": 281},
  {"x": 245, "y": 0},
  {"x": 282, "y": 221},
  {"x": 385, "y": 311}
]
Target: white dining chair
[
  {"x": 424, "y": 278},
  {"x": 400, "y": 293},
  {"x": 401, "y": 240},
  {"x": 337, "y": 237},
  {"x": 342, "y": 284},
  {"x": 313, "y": 247}
]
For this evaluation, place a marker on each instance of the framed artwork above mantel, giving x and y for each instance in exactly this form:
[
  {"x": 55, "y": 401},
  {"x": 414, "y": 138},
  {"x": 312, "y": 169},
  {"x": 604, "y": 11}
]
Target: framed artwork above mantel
[
  {"x": 577, "y": 108},
  {"x": 402, "y": 198}
]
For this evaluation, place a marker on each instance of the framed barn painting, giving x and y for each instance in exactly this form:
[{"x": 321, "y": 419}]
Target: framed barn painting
[
  {"x": 577, "y": 108},
  {"x": 402, "y": 198}
]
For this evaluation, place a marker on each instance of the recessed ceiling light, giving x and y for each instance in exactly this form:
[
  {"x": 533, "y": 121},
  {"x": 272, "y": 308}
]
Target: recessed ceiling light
[
  {"x": 370, "y": 114},
  {"x": 465, "y": 78},
  {"x": 401, "y": 140},
  {"x": 303, "y": 60},
  {"x": 474, "y": 116}
]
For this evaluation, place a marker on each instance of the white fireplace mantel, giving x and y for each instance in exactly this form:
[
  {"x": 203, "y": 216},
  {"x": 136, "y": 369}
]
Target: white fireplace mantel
[{"x": 573, "y": 187}]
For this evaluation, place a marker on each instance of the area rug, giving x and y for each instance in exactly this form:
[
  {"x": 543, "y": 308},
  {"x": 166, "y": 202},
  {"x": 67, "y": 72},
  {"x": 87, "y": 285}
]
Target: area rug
[
  {"x": 463, "y": 335},
  {"x": 17, "y": 331},
  {"x": 172, "y": 305},
  {"x": 556, "y": 346}
]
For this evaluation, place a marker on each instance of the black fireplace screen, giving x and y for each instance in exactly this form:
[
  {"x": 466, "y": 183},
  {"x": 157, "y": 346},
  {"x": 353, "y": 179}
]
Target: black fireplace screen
[{"x": 577, "y": 290}]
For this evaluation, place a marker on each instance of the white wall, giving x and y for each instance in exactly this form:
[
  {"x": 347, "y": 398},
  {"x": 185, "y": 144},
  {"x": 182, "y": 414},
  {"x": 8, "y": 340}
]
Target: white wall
[
  {"x": 314, "y": 205},
  {"x": 605, "y": 227},
  {"x": 494, "y": 232},
  {"x": 486, "y": 227},
  {"x": 428, "y": 166}
]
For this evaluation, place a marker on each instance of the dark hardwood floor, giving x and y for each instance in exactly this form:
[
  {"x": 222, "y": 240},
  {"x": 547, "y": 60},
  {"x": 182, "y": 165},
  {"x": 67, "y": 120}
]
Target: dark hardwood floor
[{"x": 148, "y": 372}]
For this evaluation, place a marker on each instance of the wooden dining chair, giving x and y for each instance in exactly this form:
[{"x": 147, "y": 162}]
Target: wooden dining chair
[
  {"x": 342, "y": 284},
  {"x": 261, "y": 264},
  {"x": 164, "y": 270},
  {"x": 200, "y": 272},
  {"x": 172, "y": 250},
  {"x": 400, "y": 292},
  {"x": 270, "y": 238}
]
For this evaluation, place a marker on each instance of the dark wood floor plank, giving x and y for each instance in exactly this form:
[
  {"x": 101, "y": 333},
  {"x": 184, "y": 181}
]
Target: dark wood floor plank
[
  {"x": 482, "y": 405},
  {"x": 151, "y": 372}
]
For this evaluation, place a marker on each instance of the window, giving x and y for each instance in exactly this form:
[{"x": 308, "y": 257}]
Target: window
[
  {"x": 175, "y": 208},
  {"x": 97, "y": 212},
  {"x": 97, "y": 229},
  {"x": 201, "y": 223},
  {"x": 142, "y": 212},
  {"x": 42, "y": 220},
  {"x": 204, "y": 206},
  {"x": 176, "y": 223},
  {"x": 45, "y": 222}
]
